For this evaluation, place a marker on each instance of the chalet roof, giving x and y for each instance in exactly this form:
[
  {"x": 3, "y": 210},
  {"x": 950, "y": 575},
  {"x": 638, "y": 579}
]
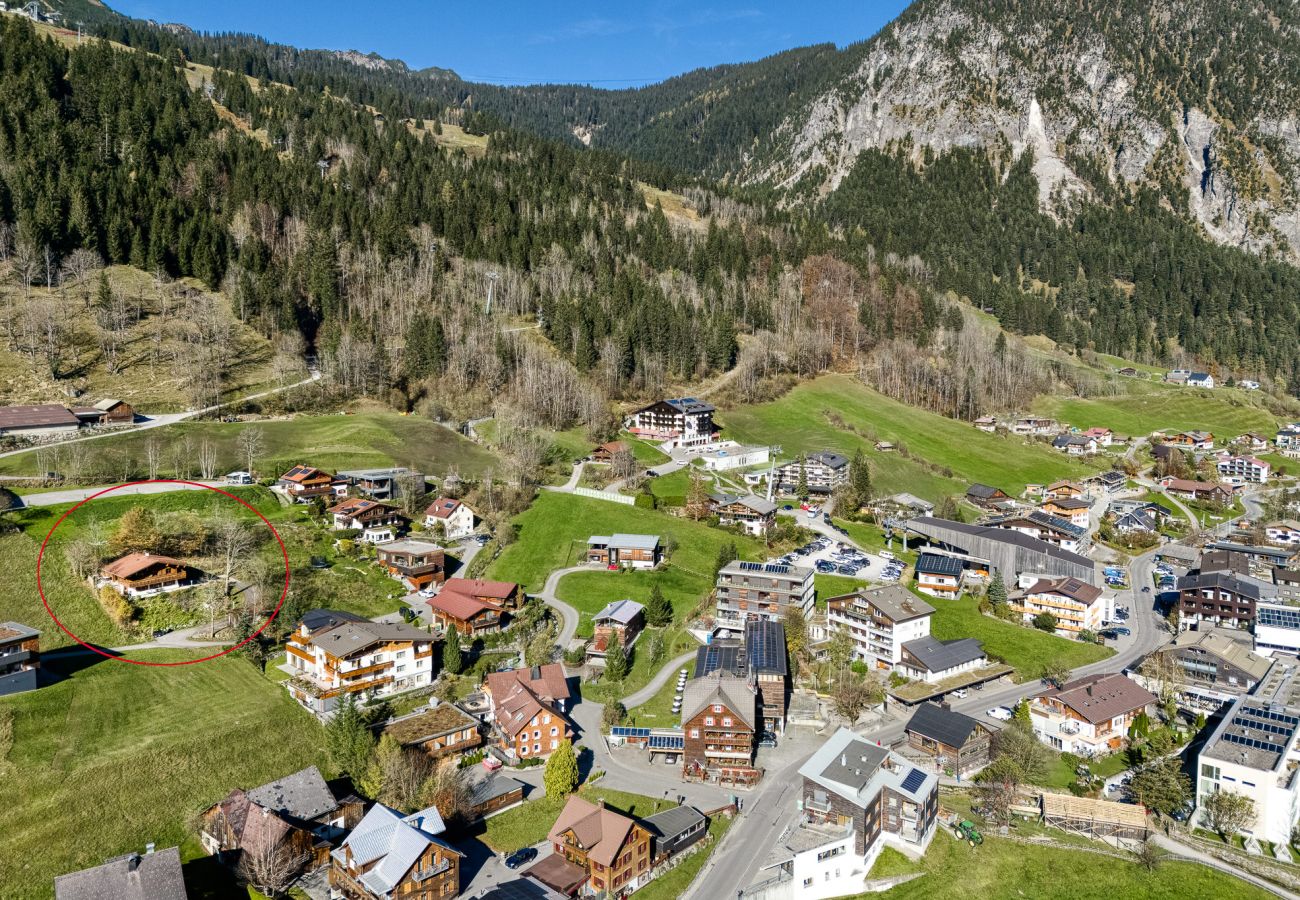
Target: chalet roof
[
  {"x": 851, "y": 767},
  {"x": 443, "y": 508},
  {"x": 1099, "y": 698},
  {"x": 317, "y": 619},
  {"x": 940, "y": 656},
  {"x": 347, "y": 638},
  {"x": 894, "y": 602},
  {"x": 625, "y": 541},
  {"x": 429, "y": 723},
  {"x": 828, "y": 458},
  {"x": 946, "y": 726},
  {"x": 1216, "y": 643},
  {"x": 673, "y": 822},
  {"x": 135, "y": 876},
  {"x": 1041, "y": 519},
  {"x": 491, "y": 787},
  {"x": 1073, "y": 588},
  {"x": 134, "y": 563},
  {"x": 751, "y": 501},
  {"x": 516, "y": 708},
  {"x": 765, "y": 648},
  {"x": 44, "y": 415},
  {"x": 300, "y": 473},
  {"x": 1068, "y": 503},
  {"x": 732, "y": 692},
  {"x": 1064, "y": 484},
  {"x": 393, "y": 841},
  {"x": 983, "y": 491},
  {"x": 690, "y": 406},
  {"x": 108, "y": 404},
  {"x": 721, "y": 656},
  {"x": 461, "y": 607},
  {"x": 547, "y": 681},
  {"x": 621, "y": 612},
  {"x": 302, "y": 795},
  {"x": 600, "y": 831},
  {"x": 476, "y": 587},
  {"x": 612, "y": 447},
  {"x": 1243, "y": 585}
]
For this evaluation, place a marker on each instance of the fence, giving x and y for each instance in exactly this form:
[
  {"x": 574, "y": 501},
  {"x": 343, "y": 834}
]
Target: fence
[{"x": 594, "y": 494}]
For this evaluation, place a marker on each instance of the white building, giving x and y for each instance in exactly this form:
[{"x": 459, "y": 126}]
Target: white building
[
  {"x": 753, "y": 590},
  {"x": 456, "y": 518},
  {"x": 335, "y": 653},
  {"x": 931, "y": 660},
  {"x": 1248, "y": 468},
  {"x": 1284, "y": 534},
  {"x": 1089, "y": 716},
  {"x": 682, "y": 422},
  {"x": 880, "y": 620},
  {"x": 723, "y": 455},
  {"x": 1277, "y": 629},
  {"x": 1200, "y": 380},
  {"x": 823, "y": 472},
  {"x": 1076, "y": 604},
  {"x": 1254, "y": 752}
]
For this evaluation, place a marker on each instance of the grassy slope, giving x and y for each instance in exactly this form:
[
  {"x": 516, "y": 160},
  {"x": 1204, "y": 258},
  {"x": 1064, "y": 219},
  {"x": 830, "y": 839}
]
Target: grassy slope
[
  {"x": 1004, "y": 870},
  {"x": 370, "y": 438},
  {"x": 120, "y": 755},
  {"x": 1146, "y": 406},
  {"x": 526, "y": 825},
  {"x": 798, "y": 422}
]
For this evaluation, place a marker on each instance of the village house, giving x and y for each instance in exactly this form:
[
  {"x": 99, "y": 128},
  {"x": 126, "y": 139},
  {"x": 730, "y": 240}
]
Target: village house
[
  {"x": 856, "y": 798},
  {"x": 1287, "y": 584},
  {"x": 747, "y": 590},
  {"x": 1248, "y": 385},
  {"x": 455, "y": 519},
  {"x": 1071, "y": 509},
  {"x": 613, "y": 849},
  {"x": 1089, "y": 716},
  {"x": 1111, "y": 481},
  {"x": 1202, "y": 491},
  {"x": 1077, "y": 605},
  {"x": 931, "y": 660},
  {"x": 619, "y": 622},
  {"x": 675, "y": 830},
  {"x": 1103, "y": 436},
  {"x": 303, "y": 484},
  {"x": 880, "y": 620},
  {"x": 528, "y": 707},
  {"x": 1192, "y": 440},
  {"x": 502, "y": 595},
  {"x": 20, "y": 658},
  {"x": 1035, "y": 425},
  {"x": 1200, "y": 380},
  {"x": 295, "y": 818},
  {"x": 333, "y": 653},
  {"x": 1288, "y": 440},
  {"x": 107, "y": 412},
  {"x": 957, "y": 742},
  {"x": 133, "y": 876},
  {"x": 1075, "y": 444},
  {"x": 491, "y": 793},
  {"x": 683, "y": 422},
  {"x": 1062, "y": 490},
  {"x": 377, "y": 522},
  {"x": 1252, "y": 442},
  {"x": 40, "y": 421},
  {"x": 634, "y": 551},
  {"x": 145, "y": 574},
  {"x": 1178, "y": 376},
  {"x": 719, "y": 727},
  {"x": 1128, "y": 372},
  {"x": 1246, "y": 468},
  {"x": 753, "y": 513},
  {"x": 469, "y": 616},
  {"x": 607, "y": 451},
  {"x": 823, "y": 472},
  {"x": 439, "y": 729},
  {"x": 939, "y": 575},
  {"x": 1221, "y": 597},
  {"x": 1045, "y": 527},
  {"x": 986, "y": 497},
  {"x": 1138, "y": 515},
  {"x": 1213, "y": 667},
  {"x": 417, "y": 564},
  {"x": 986, "y": 423},
  {"x": 1285, "y": 533},
  {"x": 381, "y": 484},
  {"x": 390, "y": 856}
]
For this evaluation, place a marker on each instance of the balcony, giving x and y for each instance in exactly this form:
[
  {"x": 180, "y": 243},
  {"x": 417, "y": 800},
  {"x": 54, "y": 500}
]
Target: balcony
[
  {"x": 1068, "y": 728},
  {"x": 426, "y": 874}
]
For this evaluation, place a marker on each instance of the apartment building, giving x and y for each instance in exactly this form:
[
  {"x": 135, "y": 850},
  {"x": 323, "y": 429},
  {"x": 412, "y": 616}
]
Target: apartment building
[
  {"x": 1215, "y": 667},
  {"x": 823, "y": 472},
  {"x": 334, "y": 653},
  {"x": 1089, "y": 716},
  {"x": 880, "y": 620},
  {"x": 751, "y": 590},
  {"x": 19, "y": 657},
  {"x": 1222, "y": 598},
  {"x": 681, "y": 422},
  {"x": 1248, "y": 468},
  {"x": 719, "y": 725},
  {"x": 613, "y": 849},
  {"x": 1077, "y": 605}
]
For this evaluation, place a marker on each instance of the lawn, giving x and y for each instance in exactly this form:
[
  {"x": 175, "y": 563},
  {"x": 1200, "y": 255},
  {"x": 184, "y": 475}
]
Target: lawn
[
  {"x": 553, "y": 534},
  {"x": 372, "y": 438},
  {"x": 675, "y": 881},
  {"x": 528, "y": 824},
  {"x": 121, "y": 755},
  {"x": 1145, "y": 407},
  {"x": 1007, "y": 870},
  {"x": 1062, "y": 774},
  {"x": 1028, "y": 650},
  {"x": 942, "y": 455}
]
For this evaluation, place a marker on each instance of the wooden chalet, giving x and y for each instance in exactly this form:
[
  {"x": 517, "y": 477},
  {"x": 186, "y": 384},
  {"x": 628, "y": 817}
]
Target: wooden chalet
[
  {"x": 389, "y": 855},
  {"x": 468, "y": 615},
  {"x": 618, "y": 623},
  {"x": 528, "y": 709},
  {"x": 983, "y": 495},
  {"x": 719, "y": 719},
  {"x": 147, "y": 573},
  {"x": 417, "y": 563},
  {"x": 957, "y": 742},
  {"x": 440, "y": 729},
  {"x": 612, "y": 848},
  {"x": 501, "y": 595},
  {"x": 303, "y": 483},
  {"x": 606, "y": 452}
]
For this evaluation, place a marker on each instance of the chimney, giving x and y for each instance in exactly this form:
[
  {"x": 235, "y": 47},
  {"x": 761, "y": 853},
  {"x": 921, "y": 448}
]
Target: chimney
[
  {"x": 148, "y": 848},
  {"x": 602, "y": 802}
]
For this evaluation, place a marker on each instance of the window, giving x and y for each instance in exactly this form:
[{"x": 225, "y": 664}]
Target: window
[
  {"x": 717, "y": 708},
  {"x": 537, "y": 748},
  {"x": 401, "y": 668},
  {"x": 555, "y": 745},
  {"x": 708, "y": 720},
  {"x": 537, "y": 735},
  {"x": 695, "y": 732},
  {"x": 523, "y": 749},
  {"x": 554, "y": 731},
  {"x": 546, "y": 720},
  {"x": 726, "y": 721}
]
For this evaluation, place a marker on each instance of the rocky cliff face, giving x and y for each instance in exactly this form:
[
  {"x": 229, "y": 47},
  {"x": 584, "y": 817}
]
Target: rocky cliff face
[{"x": 1138, "y": 95}]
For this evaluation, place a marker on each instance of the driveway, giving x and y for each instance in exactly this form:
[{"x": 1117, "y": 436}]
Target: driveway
[{"x": 568, "y": 615}]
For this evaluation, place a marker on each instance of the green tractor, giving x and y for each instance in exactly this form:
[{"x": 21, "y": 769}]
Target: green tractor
[{"x": 966, "y": 831}]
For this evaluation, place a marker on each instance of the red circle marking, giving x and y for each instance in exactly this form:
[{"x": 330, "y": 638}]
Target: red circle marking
[{"x": 40, "y": 559}]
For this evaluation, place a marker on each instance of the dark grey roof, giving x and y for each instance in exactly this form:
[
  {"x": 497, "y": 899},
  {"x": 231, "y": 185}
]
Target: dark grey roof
[
  {"x": 983, "y": 491},
  {"x": 765, "y": 647},
  {"x": 328, "y": 618},
  {"x": 1225, "y": 581},
  {"x": 1008, "y": 536},
  {"x": 720, "y": 656},
  {"x": 303, "y": 795},
  {"x": 943, "y": 725},
  {"x": 690, "y": 405},
  {"x": 1278, "y": 553},
  {"x": 938, "y": 564},
  {"x": 135, "y": 876},
  {"x": 673, "y": 822},
  {"x": 829, "y": 458},
  {"x": 524, "y": 888},
  {"x": 940, "y": 656},
  {"x": 856, "y": 764},
  {"x": 490, "y": 788}
]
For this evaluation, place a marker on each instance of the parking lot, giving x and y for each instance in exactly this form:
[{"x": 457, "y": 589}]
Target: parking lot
[{"x": 831, "y": 557}]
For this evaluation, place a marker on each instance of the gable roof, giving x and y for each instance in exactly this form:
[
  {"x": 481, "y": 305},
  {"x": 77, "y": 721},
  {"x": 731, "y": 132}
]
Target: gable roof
[
  {"x": 316, "y": 619},
  {"x": 1216, "y": 643},
  {"x": 938, "y": 564},
  {"x": 601, "y": 832},
  {"x": 895, "y": 602},
  {"x": 42, "y": 415},
  {"x": 732, "y": 692},
  {"x": 619, "y": 611},
  {"x": 347, "y": 638},
  {"x": 108, "y": 404},
  {"x": 625, "y": 541},
  {"x": 461, "y": 607},
  {"x": 765, "y": 648},
  {"x": 476, "y": 587},
  {"x": 134, "y": 563},
  {"x": 721, "y": 656},
  {"x": 940, "y": 656},
  {"x": 851, "y": 767},
  {"x": 396, "y": 841},
  {"x": 1073, "y": 588},
  {"x": 673, "y": 821},
  {"x": 983, "y": 491},
  {"x": 1098, "y": 698},
  {"x": 302, "y": 795},
  {"x": 946, "y": 726},
  {"x": 752, "y": 502},
  {"x": 443, "y": 508},
  {"x": 547, "y": 682},
  {"x": 300, "y": 473},
  {"x": 134, "y": 876}
]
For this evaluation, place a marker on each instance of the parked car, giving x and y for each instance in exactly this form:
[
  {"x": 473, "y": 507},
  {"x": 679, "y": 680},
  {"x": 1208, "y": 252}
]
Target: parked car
[
  {"x": 651, "y": 473},
  {"x": 787, "y": 507},
  {"x": 768, "y": 739},
  {"x": 885, "y": 554},
  {"x": 1122, "y": 631},
  {"x": 161, "y": 632},
  {"x": 428, "y": 592},
  {"x": 959, "y": 693},
  {"x": 1001, "y": 713},
  {"x": 521, "y": 857},
  {"x": 846, "y": 570}
]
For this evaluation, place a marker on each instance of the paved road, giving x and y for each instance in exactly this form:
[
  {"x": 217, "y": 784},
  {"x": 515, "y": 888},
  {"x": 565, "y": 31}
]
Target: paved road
[
  {"x": 177, "y": 640},
  {"x": 165, "y": 419},
  {"x": 661, "y": 678},
  {"x": 57, "y": 498},
  {"x": 568, "y": 614}
]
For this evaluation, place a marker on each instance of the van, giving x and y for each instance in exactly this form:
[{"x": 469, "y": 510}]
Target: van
[{"x": 885, "y": 554}]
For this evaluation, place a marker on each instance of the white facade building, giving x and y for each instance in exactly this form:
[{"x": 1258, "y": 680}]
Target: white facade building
[
  {"x": 724, "y": 455},
  {"x": 880, "y": 621}
]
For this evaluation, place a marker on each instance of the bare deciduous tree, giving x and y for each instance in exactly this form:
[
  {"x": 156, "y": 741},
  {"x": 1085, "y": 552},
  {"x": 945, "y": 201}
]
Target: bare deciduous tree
[
  {"x": 207, "y": 459},
  {"x": 251, "y": 443},
  {"x": 152, "y": 456},
  {"x": 272, "y": 868}
]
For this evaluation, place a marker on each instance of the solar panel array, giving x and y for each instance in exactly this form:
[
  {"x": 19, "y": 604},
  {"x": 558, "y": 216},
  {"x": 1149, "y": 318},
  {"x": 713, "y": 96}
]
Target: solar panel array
[
  {"x": 1278, "y": 618},
  {"x": 667, "y": 742},
  {"x": 1271, "y": 715},
  {"x": 1256, "y": 743},
  {"x": 914, "y": 780},
  {"x": 765, "y": 642},
  {"x": 624, "y": 731},
  {"x": 764, "y": 567}
]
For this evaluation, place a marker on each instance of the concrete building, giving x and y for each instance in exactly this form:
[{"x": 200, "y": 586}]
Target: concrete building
[
  {"x": 880, "y": 620},
  {"x": 747, "y": 590},
  {"x": 722, "y": 456},
  {"x": 1077, "y": 605},
  {"x": 1222, "y": 597},
  {"x": 824, "y": 471},
  {"x": 1215, "y": 666},
  {"x": 682, "y": 422},
  {"x": 19, "y": 658}
]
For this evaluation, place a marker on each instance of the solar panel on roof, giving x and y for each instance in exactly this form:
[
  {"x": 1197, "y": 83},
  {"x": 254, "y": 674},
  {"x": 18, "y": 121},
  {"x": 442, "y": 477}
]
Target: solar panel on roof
[
  {"x": 751, "y": 567},
  {"x": 777, "y": 570},
  {"x": 1278, "y": 618},
  {"x": 914, "y": 780},
  {"x": 667, "y": 742},
  {"x": 624, "y": 731}
]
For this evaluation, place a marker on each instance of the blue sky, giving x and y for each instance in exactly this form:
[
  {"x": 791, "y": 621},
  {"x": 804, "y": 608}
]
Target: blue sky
[{"x": 612, "y": 44}]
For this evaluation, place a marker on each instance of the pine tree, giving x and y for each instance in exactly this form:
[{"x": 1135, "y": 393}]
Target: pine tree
[
  {"x": 451, "y": 661},
  {"x": 561, "y": 777},
  {"x": 348, "y": 738},
  {"x": 616, "y": 662},
  {"x": 801, "y": 489},
  {"x": 997, "y": 591},
  {"x": 727, "y": 554},
  {"x": 658, "y": 611}
]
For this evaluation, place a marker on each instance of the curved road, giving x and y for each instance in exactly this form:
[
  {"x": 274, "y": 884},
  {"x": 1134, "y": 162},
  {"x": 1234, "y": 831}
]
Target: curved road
[
  {"x": 661, "y": 678},
  {"x": 568, "y": 614}
]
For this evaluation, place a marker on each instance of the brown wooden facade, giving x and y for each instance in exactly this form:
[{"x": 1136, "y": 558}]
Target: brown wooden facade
[
  {"x": 717, "y": 739},
  {"x": 434, "y": 876}
]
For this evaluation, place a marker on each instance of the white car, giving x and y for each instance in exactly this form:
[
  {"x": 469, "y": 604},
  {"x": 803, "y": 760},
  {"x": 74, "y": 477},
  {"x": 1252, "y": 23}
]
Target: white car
[
  {"x": 1001, "y": 713},
  {"x": 428, "y": 592},
  {"x": 960, "y": 693},
  {"x": 885, "y": 554}
]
